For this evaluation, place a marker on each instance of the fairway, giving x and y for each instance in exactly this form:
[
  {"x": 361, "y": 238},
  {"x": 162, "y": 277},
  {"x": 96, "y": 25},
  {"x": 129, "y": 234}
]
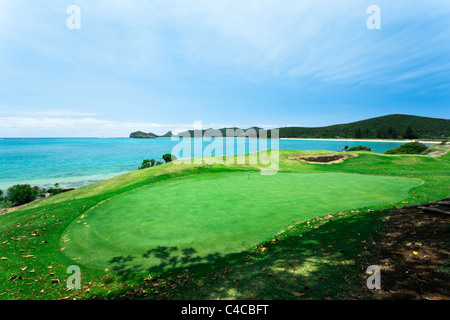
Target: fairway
[{"x": 200, "y": 218}]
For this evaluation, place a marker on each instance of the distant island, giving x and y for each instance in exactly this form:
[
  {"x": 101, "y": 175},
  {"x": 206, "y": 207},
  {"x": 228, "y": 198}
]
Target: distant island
[
  {"x": 149, "y": 135},
  {"x": 394, "y": 126}
]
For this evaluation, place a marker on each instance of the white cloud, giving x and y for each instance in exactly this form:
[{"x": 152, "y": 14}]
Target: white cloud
[
  {"x": 149, "y": 56},
  {"x": 45, "y": 126},
  {"x": 291, "y": 39},
  {"x": 71, "y": 127}
]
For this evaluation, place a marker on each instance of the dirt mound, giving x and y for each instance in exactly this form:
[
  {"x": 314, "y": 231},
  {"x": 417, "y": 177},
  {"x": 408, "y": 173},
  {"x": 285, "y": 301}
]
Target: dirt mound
[{"x": 324, "y": 158}]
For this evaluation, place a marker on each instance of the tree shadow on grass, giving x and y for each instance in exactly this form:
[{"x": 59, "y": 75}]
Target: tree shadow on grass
[
  {"x": 309, "y": 267},
  {"x": 414, "y": 255},
  {"x": 169, "y": 258},
  {"x": 323, "y": 259}
]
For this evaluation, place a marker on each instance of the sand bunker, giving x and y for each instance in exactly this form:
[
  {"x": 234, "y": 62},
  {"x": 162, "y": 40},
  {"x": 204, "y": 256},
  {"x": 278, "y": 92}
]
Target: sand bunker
[{"x": 324, "y": 158}]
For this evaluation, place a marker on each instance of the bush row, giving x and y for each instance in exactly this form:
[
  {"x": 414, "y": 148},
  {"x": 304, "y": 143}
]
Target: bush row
[
  {"x": 148, "y": 163},
  {"x": 24, "y": 193},
  {"x": 409, "y": 148}
]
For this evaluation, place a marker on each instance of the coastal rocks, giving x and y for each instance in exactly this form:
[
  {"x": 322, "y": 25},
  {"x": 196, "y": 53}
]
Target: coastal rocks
[{"x": 323, "y": 158}]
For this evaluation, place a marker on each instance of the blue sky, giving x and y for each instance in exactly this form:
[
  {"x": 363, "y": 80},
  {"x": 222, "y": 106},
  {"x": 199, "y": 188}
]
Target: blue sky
[{"x": 161, "y": 65}]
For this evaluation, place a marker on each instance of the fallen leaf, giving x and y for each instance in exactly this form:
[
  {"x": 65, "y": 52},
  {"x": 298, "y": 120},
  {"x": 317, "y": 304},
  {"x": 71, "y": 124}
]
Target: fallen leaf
[{"x": 297, "y": 294}]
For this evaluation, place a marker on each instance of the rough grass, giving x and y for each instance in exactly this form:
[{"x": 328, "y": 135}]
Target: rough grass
[{"x": 34, "y": 264}]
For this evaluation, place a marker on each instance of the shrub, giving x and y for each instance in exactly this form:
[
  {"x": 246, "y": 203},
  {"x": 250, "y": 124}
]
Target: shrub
[
  {"x": 2, "y": 199},
  {"x": 147, "y": 163},
  {"x": 409, "y": 148},
  {"x": 55, "y": 189},
  {"x": 22, "y": 194},
  {"x": 359, "y": 148},
  {"x": 42, "y": 192},
  {"x": 169, "y": 157}
]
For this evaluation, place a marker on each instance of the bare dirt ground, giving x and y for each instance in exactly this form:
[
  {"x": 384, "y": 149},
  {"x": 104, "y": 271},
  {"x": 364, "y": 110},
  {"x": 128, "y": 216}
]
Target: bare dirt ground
[
  {"x": 438, "y": 151},
  {"x": 414, "y": 255},
  {"x": 4, "y": 211}
]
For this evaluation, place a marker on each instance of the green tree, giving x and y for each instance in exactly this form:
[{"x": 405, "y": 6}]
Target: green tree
[
  {"x": 391, "y": 132},
  {"x": 147, "y": 163},
  {"x": 394, "y": 133},
  {"x": 55, "y": 189},
  {"x": 168, "y": 157},
  {"x": 367, "y": 133},
  {"x": 381, "y": 134},
  {"x": 409, "y": 133},
  {"x": 22, "y": 193}
]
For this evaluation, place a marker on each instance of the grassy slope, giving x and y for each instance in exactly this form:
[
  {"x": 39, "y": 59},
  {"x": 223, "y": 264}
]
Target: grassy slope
[
  {"x": 186, "y": 221},
  {"x": 30, "y": 238}
]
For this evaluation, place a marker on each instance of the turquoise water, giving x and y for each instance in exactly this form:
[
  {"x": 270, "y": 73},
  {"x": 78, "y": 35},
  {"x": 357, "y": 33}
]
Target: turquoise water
[{"x": 76, "y": 162}]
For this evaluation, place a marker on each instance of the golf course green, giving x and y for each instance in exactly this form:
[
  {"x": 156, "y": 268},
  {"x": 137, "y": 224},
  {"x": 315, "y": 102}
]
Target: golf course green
[
  {"x": 203, "y": 231},
  {"x": 196, "y": 219}
]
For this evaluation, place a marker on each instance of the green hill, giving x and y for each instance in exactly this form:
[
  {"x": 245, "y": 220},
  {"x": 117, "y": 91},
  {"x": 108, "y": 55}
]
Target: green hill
[
  {"x": 394, "y": 126},
  {"x": 390, "y": 126}
]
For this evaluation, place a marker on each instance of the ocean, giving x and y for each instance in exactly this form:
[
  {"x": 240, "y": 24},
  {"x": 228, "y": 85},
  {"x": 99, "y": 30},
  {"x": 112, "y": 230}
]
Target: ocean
[{"x": 77, "y": 162}]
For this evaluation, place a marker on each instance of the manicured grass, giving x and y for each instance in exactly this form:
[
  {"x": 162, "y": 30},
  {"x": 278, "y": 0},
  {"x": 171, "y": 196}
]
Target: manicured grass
[
  {"x": 197, "y": 219},
  {"x": 33, "y": 248}
]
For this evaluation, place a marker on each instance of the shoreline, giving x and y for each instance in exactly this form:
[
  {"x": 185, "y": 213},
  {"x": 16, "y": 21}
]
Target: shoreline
[
  {"x": 363, "y": 140},
  {"x": 80, "y": 181},
  {"x": 75, "y": 182}
]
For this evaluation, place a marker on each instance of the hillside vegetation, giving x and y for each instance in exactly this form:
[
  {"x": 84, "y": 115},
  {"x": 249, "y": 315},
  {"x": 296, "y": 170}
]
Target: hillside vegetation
[
  {"x": 391, "y": 126},
  {"x": 394, "y": 126}
]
